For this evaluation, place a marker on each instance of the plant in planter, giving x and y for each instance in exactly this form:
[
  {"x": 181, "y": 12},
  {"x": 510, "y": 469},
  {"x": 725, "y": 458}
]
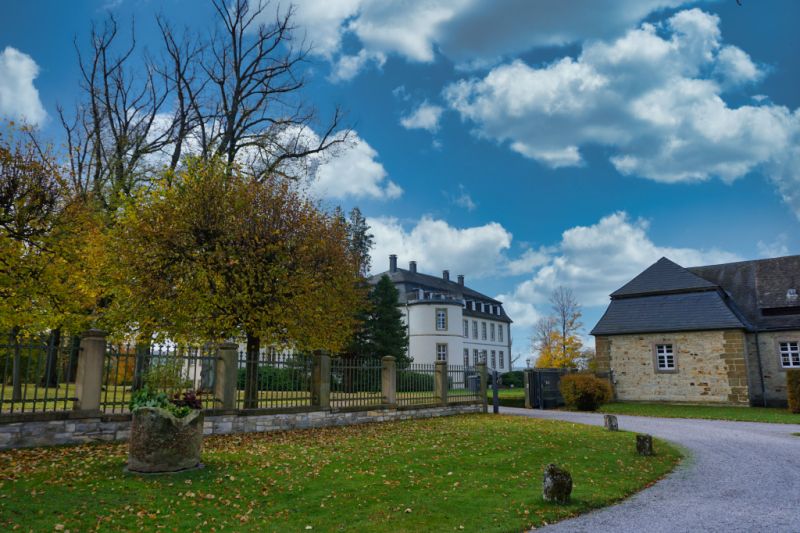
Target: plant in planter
[{"x": 166, "y": 433}]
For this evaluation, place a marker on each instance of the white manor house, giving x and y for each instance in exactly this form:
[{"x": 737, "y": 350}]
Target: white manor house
[{"x": 448, "y": 321}]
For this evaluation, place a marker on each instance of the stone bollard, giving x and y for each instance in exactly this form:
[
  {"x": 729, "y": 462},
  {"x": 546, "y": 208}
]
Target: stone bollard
[
  {"x": 611, "y": 422},
  {"x": 557, "y": 484},
  {"x": 644, "y": 444}
]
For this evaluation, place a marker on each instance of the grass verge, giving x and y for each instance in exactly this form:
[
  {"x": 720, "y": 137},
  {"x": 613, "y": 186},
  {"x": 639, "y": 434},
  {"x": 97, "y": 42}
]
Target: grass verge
[
  {"x": 471, "y": 473},
  {"x": 774, "y": 415}
]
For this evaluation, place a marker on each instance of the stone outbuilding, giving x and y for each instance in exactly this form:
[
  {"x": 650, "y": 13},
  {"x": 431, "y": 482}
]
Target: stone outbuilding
[{"x": 711, "y": 334}]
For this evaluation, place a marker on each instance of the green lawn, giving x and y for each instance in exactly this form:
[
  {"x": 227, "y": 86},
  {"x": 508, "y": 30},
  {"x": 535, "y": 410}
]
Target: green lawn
[
  {"x": 471, "y": 473},
  {"x": 713, "y": 412}
]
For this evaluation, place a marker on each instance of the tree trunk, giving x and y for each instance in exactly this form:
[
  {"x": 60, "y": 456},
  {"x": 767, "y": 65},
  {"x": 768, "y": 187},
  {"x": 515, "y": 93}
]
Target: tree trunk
[
  {"x": 50, "y": 378},
  {"x": 16, "y": 371},
  {"x": 251, "y": 372}
]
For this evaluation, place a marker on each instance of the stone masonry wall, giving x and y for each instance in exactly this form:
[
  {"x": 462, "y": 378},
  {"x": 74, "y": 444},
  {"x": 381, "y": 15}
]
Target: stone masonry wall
[
  {"x": 711, "y": 367},
  {"x": 117, "y": 428},
  {"x": 774, "y": 374}
]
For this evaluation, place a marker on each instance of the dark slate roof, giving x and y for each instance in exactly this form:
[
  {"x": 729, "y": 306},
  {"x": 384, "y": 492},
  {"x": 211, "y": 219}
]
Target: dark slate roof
[
  {"x": 662, "y": 277},
  {"x": 667, "y": 312},
  {"x": 407, "y": 282},
  {"x": 758, "y": 289}
]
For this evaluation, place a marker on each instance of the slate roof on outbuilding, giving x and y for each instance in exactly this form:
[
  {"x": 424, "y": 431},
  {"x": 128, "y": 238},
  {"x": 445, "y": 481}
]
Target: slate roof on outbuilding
[
  {"x": 667, "y": 312},
  {"x": 662, "y": 277},
  {"x": 753, "y": 295}
]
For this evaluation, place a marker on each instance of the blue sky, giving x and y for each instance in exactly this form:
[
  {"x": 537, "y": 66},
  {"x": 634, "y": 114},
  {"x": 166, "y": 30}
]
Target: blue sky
[{"x": 524, "y": 144}]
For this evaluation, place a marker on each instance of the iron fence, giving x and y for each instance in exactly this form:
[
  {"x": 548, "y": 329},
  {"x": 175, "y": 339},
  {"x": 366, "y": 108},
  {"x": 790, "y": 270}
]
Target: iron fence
[
  {"x": 355, "y": 382},
  {"x": 416, "y": 384},
  {"x": 274, "y": 380},
  {"x": 171, "y": 369},
  {"x": 38, "y": 375},
  {"x": 463, "y": 383}
]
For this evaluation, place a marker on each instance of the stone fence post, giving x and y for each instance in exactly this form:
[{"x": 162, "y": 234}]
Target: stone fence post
[
  {"x": 389, "y": 381},
  {"x": 481, "y": 368},
  {"x": 440, "y": 382},
  {"x": 226, "y": 374},
  {"x": 89, "y": 375},
  {"x": 321, "y": 381}
]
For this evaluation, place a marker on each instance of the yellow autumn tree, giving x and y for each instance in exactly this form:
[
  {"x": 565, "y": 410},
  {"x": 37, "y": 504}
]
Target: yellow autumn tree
[
  {"x": 208, "y": 253},
  {"x": 50, "y": 242},
  {"x": 560, "y": 352}
]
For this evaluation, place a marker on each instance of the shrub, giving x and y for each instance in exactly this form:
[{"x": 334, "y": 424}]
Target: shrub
[
  {"x": 179, "y": 405},
  {"x": 793, "y": 389},
  {"x": 167, "y": 374},
  {"x": 513, "y": 379},
  {"x": 276, "y": 379},
  {"x": 584, "y": 392},
  {"x": 408, "y": 381}
]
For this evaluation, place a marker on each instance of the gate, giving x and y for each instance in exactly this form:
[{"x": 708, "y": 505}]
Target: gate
[{"x": 541, "y": 387}]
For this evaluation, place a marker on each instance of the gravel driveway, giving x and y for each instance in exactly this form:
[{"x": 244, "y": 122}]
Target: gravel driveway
[{"x": 739, "y": 476}]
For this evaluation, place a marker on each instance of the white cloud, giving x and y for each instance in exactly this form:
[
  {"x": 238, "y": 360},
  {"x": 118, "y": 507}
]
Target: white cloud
[
  {"x": 776, "y": 248},
  {"x": 435, "y": 245},
  {"x": 19, "y": 98},
  {"x": 425, "y": 117},
  {"x": 462, "y": 199},
  {"x": 471, "y": 32},
  {"x": 594, "y": 261},
  {"x": 353, "y": 171},
  {"x": 654, "y": 100}
]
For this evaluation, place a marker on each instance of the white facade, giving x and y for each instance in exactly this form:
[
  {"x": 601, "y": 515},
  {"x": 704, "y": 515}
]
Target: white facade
[{"x": 448, "y": 321}]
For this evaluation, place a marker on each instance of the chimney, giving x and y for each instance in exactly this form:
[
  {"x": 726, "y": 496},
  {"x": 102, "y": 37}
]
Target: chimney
[
  {"x": 392, "y": 263},
  {"x": 461, "y": 279},
  {"x": 412, "y": 267},
  {"x": 446, "y": 275}
]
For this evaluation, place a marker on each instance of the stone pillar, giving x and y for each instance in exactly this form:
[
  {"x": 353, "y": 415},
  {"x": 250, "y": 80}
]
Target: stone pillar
[
  {"x": 644, "y": 444},
  {"x": 89, "y": 377},
  {"x": 227, "y": 374},
  {"x": 481, "y": 368},
  {"x": 440, "y": 382},
  {"x": 389, "y": 381},
  {"x": 321, "y": 381}
]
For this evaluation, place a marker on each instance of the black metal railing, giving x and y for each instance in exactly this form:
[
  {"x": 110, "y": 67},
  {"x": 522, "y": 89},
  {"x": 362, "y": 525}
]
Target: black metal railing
[
  {"x": 355, "y": 382},
  {"x": 463, "y": 384},
  {"x": 416, "y": 384},
  {"x": 171, "y": 369},
  {"x": 274, "y": 380},
  {"x": 38, "y": 374}
]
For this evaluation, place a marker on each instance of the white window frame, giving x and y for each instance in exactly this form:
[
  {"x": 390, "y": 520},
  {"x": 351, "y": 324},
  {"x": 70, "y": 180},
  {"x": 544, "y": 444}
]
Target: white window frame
[
  {"x": 665, "y": 357},
  {"x": 483, "y": 331},
  {"x": 441, "y": 352},
  {"x": 500, "y": 333},
  {"x": 466, "y": 328},
  {"x": 466, "y": 356},
  {"x": 476, "y": 356},
  {"x": 441, "y": 325},
  {"x": 502, "y": 359},
  {"x": 474, "y": 329},
  {"x": 789, "y": 353},
  {"x": 494, "y": 359},
  {"x": 491, "y": 331}
]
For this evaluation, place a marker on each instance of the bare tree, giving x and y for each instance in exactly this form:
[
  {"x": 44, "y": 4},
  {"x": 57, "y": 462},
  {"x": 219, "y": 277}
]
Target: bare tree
[
  {"x": 237, "y": 95},
  {"x": 543, "y": 334},
  {"x": 117, "y": 125},
  {"x": 253, "y": 102},
  {"x": 567, "y": 314}
]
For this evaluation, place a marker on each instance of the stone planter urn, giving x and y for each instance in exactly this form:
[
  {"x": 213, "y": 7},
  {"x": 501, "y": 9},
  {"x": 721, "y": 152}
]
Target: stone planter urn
[{"x": 160, "y": 442}]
